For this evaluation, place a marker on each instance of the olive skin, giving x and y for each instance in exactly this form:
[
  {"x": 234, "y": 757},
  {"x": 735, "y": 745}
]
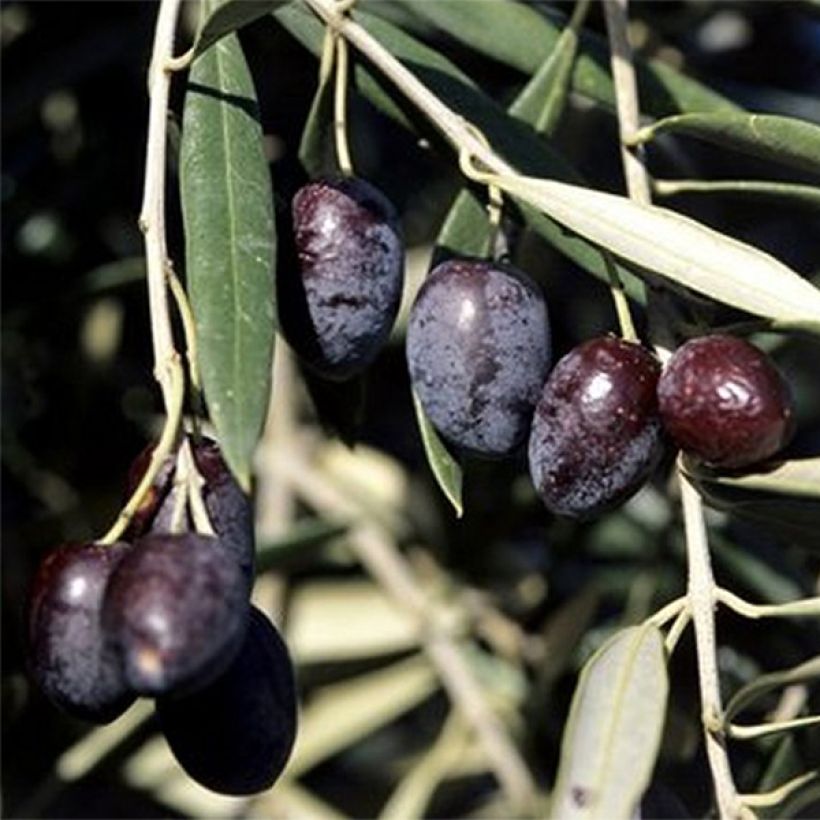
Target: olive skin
[
  {"x": 596, "y": 435},
  {"x": 478, "y": 351},
  {"x": 339, "y": 310},
  {"x": 68, "y": 654},
  {"x": 175, "y": 609},
  {"x": 235, "y": 735},
  {"x": 723, "y": 401}
]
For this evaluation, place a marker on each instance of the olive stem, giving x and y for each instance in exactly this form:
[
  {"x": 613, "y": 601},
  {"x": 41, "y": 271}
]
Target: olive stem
[
  {"x": 165, "y": 445},
  {"x": 338, "y": 45},
  {"x": 667, "y": 612},
  {"x": 167, "y": 365},
  {"x": 806, "y": 607},
  {"x": 703, "y": 598},
  {"x": 377, "y": 552},
  {"x": 702, "y": 590},
  {"x": 340, "y": 108}
]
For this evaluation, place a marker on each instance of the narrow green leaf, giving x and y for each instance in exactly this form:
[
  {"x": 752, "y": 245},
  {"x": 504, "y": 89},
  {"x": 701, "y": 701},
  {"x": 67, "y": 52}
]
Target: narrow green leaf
[
  {"x": 678, "y": 248},
  {"x": 465, "y": 230},
  {"x": 782, "y": 139},
  {"x": 445, "y": 468},
  {"x": 810, "y": 670},
  {"x": 228, "y": 16},
  {"x": 613, "y": 733},
  {"x": 786, "y": 192},
  {"x": 227, "y": 207},
  {"x": 522, "y": 36},
  {"x": 544, "y": 98},
  {"x": 798, "y": 477}
]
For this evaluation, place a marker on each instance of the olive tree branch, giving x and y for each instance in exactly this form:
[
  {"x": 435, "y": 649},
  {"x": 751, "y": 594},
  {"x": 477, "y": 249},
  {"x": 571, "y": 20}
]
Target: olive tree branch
[{"x": 702, "y": 590}]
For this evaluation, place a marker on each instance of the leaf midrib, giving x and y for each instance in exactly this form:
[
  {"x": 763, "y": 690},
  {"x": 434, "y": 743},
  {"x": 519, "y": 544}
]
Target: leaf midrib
[{"x": 231, "y": 210}]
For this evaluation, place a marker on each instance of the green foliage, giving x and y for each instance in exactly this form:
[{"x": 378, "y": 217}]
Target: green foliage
[{"x": 230, "y": 247}]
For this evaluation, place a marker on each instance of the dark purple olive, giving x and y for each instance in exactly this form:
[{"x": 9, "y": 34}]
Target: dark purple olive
[
  {"x": 351, "y": 260},
  {"x": 229, "y": 508},
  {"x": 68, "y": 654},
  {"x": 176, "y": 609},
  {"x": 154, "y": 513},
  {"x": 235, "y": 735},
  {"x": 478, "y": 351},
  {"x": 723, "y": 401},
  {"x": 596, "y": 435}
]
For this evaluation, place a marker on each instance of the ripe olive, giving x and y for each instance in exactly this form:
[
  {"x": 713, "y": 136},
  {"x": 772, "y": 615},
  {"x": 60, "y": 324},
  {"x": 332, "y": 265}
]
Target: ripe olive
[
  {"x": 723, "y": 401},
  {"x": 596, "y": 435},
  {"x": 478, "y": 351}
]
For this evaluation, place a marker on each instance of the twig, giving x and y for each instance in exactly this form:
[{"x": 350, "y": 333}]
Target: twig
[
  {"x": 388, "y": 566},
  {"x": 703, "y": 599},
  {"x": 806, "y": 607},
  {"x": 152, "y": 214},
  {"x": 702, "y": 590},
  {"x": 167, "y": 365}
]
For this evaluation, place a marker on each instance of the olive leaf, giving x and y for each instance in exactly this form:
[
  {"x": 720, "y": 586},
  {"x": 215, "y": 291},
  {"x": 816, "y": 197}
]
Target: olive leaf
[
  {"x": 676, "y": 247},
  {"x": 613, "y": 733},
  {"x": 228, "y": 16},
  {"x": 797, "y": 477},
  {"x": 446, "y": 469},
  {"x": 227, "y": 206},
  {"x": 523, "y": 35},
  {"x": 782, "y": 139},
  {"x": 807, "y": 196},
  {"x": 807, "y": 671}
]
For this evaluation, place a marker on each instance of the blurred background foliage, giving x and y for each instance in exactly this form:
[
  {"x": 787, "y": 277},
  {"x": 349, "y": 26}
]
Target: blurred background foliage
[{"x": 540, "y": 594}]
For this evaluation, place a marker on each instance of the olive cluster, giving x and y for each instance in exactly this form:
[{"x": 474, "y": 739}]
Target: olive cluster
[
  {"x": 165, "y": 613},
  {"x": 479, "y": 358}
]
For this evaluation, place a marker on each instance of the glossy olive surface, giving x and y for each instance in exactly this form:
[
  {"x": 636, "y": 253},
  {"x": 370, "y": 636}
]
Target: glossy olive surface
[
  {"x": 235, "y": 735},
  {"x": 68, "y": 654},
  {"x": 723, "y": 401},
  {"x": 338, "y": 312},
  {"x": 596, "y": 435},
  {"x": 478, "y": 351},
  {"x": 176, "y": 609}
]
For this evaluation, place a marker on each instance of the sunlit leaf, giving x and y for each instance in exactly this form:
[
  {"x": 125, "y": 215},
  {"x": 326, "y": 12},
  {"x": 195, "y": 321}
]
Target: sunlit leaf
[
  {"x": 678, "y": 248},
  {"x": 331, "y": 621},
  {"x": 797, "y": 477},
  {"x": 614, "y": 729},
  {"x": 782, "y": 139},
  {"x": 227, "y": 206}
]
